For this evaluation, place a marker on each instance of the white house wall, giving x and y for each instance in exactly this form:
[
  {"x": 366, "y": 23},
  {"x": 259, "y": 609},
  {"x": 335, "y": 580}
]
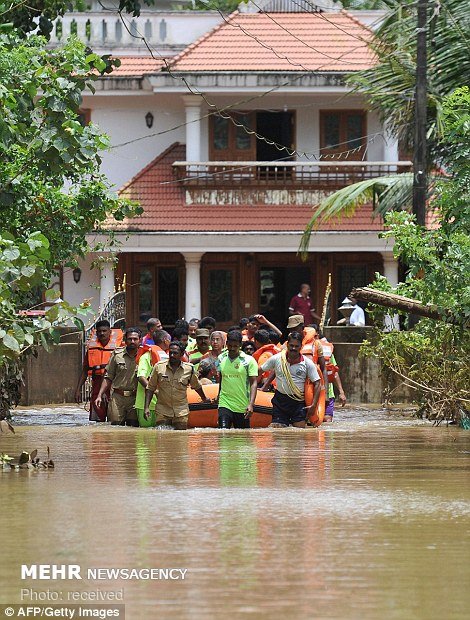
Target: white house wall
[
  {"x": 87, "y": 288},
  {"x": 123, "y": 119}
]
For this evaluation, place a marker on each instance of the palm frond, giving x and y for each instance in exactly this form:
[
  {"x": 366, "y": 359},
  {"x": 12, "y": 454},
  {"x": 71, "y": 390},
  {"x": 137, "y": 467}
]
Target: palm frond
[{"x": 386, "y": 193}]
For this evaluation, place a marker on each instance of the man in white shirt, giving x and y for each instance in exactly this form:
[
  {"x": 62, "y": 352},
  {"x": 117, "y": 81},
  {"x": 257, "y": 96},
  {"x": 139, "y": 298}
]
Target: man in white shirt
[
  {"x": 357, "y": 318},
  {"x": 292, "y": 370}
]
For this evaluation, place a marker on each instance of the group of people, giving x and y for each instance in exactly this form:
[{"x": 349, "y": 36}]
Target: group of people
[{"x": 144, "y": 380}]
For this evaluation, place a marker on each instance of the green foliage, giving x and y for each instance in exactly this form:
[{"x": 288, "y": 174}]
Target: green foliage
[
  {"x": 52, "y": 194},
  {"x": 389, "y": 86},
  {"x": 22, "y": 266},
  {"x": 50, "y": 179},
  {"x": 226, "y": 6},
  {"x": 38, "y": 15},
  {"x": 433, "y": 357}
]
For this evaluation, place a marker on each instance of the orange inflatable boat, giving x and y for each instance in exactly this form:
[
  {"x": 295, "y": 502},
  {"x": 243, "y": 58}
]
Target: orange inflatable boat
[{"x": 206, "y": 414}]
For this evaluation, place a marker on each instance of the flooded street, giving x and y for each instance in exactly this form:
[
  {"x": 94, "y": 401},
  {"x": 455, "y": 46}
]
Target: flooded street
[{"x": 364, "y": 518}]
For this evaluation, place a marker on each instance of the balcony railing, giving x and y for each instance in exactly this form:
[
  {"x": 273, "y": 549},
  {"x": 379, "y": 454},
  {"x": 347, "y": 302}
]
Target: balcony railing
[
  {"x": 166, "y": 30},
  {"x": 288, "y": 174}
]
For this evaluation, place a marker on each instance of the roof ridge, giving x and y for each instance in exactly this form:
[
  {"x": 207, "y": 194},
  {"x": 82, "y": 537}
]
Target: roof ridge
[
  {"x": 356, "y": 21},
  {"x": 146, "y": 168},
  {"x": 202, "y": 38}
]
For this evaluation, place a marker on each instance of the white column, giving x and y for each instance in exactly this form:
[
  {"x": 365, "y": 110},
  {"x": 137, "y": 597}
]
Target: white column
[
  {"x": 193, "y": 285},
  {"x": 106, "y": 281},
  {"x": 391, "y": 273},
  {"x": 390, "y": 146},
  {"x": 192, "y": 105}
]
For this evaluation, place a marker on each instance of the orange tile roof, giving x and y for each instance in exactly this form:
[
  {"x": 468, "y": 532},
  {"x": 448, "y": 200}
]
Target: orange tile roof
[
  {"x": 165, "y": 208},
  {"x": 137, "y": 66},
  {"x": 281, "y": 42}
]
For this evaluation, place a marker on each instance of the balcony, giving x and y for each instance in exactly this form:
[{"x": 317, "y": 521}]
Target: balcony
[
  {"x": 169, "y": 32},
  {"x": 267, "y": 182}
]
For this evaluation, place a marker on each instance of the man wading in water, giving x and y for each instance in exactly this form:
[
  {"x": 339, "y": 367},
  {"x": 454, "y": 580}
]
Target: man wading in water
[
  {"x": 238, "y": 384},
  {"x": 291, "y": 371},
  {"x": 171, "y": 378}
]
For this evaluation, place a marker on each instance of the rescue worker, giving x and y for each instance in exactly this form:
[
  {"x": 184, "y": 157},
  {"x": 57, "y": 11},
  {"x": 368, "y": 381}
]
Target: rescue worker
[
  {"x": 291, "y": 370},
  {"x": 201, "y": 351},
  {"x": 171, "y": 378},
  {"x": 153, "y": 325},
  {"x": 98, "y": 353},
  {"x": 238, "y": 384},
  {"x": 192, "y": 327},
  {"x": 264, "y": 349},
  {"x": 145, "y": 364},
  {"x": 333, "y": 377},
  {"x": 258, "y": 321},
  {"x": 311, "y": 346},
  {"x": 162, "y": 341},
  {"x": 121, "y": 376}
]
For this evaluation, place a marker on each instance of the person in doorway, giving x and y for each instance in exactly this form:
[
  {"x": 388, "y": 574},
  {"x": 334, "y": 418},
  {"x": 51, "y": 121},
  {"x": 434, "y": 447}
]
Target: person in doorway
[
  {"x": 202, "y": 349},
  {"x": 172, "y": 378},
  {"x": 291, "y": 370},
  {"x": 121, "y": 377},
  {"x": 98, "y": 353},
  {"x": 162, "y": 341},
  {"x": 153, "y": 325},
  {"x": 302, "y": 304},
  {"x": 238, "y": 384}
]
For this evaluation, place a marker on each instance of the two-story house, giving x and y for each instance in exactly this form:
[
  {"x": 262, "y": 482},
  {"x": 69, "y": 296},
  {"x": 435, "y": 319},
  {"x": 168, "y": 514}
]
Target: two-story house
[{"x": 228, "y": 145}]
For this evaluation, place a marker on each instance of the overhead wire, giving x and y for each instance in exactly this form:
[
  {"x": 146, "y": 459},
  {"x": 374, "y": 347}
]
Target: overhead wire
[{"x": 221, "y": 112}]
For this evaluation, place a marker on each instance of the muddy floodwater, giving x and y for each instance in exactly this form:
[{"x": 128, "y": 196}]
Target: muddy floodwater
[{"x": 367, "y": 518}]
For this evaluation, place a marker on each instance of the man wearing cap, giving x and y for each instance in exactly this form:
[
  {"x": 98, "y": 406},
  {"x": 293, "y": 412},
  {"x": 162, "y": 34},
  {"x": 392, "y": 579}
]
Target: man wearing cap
[
  {"x": 202, "y": 347},
  {"x": 302, "y": 304}
]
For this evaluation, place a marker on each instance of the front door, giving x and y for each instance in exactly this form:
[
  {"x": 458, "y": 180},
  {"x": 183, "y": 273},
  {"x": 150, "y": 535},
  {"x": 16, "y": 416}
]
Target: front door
[
  {"x": 158, "y": 294},
  {"x": 277, "y": 287}
]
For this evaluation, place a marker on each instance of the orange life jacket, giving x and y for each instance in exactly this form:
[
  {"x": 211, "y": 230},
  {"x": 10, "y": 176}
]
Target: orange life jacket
[
  {"x": 262, "y": 355},
  {"x": 272, "y": 349},
  {"x": 309, "y": 344},
  {"x": 328, "y": 348},
  {"x": 154, "y": 355},
  {"x": 99, "y": 356}
]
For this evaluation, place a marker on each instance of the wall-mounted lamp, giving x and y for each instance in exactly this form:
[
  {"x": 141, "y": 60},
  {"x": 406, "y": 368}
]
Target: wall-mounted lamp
[
  {"x": 149, "y": 119},
  {"x": 77, "y": 274}
]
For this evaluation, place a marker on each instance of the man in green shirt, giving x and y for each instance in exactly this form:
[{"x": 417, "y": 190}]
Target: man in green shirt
[
  {"x": 144, "y": 370},
  {"x": 238, "y": 384}
]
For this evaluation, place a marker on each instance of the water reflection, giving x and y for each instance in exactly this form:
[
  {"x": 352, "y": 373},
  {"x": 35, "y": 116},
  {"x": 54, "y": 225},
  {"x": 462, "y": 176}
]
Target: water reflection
[{"x": 365, "y": 518}]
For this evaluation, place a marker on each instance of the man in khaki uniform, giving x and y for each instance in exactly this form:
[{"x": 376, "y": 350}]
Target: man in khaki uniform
[
  {"x": 171, "y": 378},
  {"x": 121, "y": 375}
]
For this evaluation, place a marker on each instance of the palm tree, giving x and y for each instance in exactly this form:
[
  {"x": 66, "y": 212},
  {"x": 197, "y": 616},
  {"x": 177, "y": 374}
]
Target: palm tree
[{"x": 389, "y": 88}]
